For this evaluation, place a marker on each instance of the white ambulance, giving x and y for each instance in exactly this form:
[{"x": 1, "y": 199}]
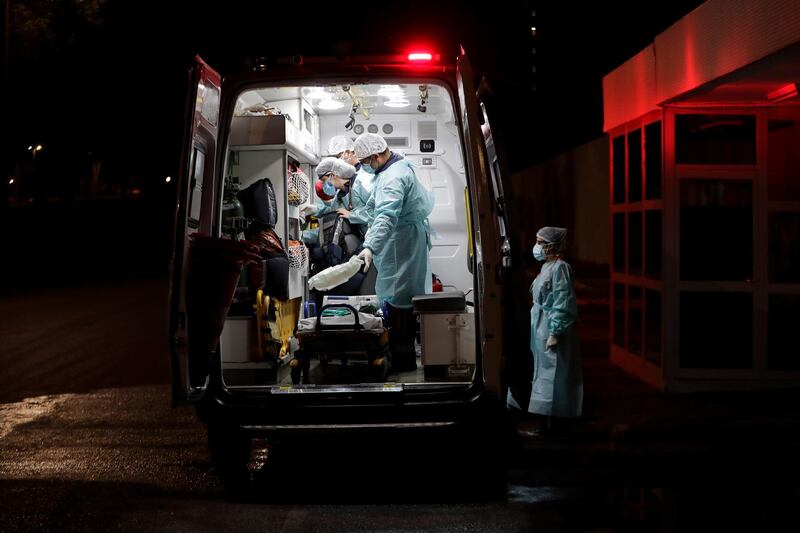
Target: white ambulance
[{"x": 255, "y": 379}]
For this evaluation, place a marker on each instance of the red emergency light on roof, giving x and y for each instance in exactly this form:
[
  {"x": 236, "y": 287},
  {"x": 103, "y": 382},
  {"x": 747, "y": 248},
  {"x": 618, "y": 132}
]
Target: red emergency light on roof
[{"x": 420, "y": 56}]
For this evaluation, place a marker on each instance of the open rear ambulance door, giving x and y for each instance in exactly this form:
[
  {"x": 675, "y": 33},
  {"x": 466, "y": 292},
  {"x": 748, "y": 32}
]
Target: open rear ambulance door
[
  {"x": 514, "y": 374},
  {"x": 194, "y": 213},
  {"x": 487, "y": 231},
  {"x": 494, "y": 154}
]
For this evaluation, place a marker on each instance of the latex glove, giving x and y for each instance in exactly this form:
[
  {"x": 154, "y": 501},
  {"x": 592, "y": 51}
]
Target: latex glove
[
  {"x": 343, "y": 212},
  {"x": 551, "y": 341},
  {"x": 366, "y": 256}
]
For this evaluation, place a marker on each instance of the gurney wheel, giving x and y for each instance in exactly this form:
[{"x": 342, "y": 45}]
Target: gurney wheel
[
  {"x": 382, "y": 365},
  {"x": 300, "y": 368},
  {"x": 384, "y": 368}
]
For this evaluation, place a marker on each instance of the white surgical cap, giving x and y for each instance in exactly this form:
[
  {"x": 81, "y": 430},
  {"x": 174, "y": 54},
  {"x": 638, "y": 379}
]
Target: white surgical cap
[
  {"x": 336, "y": 166},
  {"x": 326, "y": 166},
  {"x": 368, "y": 144},
  {"x": 554, "y": 235},
  {"x": 343, "y": 169},
  {"x": 339, "y": 144}
]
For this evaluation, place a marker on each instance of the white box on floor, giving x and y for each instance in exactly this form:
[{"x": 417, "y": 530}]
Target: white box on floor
[{"x": 447, "y": 338}]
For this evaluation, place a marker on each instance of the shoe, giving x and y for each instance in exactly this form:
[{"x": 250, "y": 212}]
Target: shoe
[
  {"x": 533, "y": 433},
  {"x": 536, "y": 431}
]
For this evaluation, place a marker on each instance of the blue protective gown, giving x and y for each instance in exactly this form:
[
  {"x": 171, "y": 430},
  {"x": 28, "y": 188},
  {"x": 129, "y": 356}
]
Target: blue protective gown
[
  {"x": 359, "y": 194},
  {"x": 357, "y": 198},
  {"x": 557, "y": 376},
  {"x": 399, "y": 235}
]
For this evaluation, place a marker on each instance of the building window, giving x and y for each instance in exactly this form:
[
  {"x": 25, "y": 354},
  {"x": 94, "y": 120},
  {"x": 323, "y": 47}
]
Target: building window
[
  {"x": 618, "y": 223},
  {"x": 652, "y": 156},
  {"x": 715, "y": 139},
  {"x": 783, "y": 166},
  {"x": 716, "y": 229},
  {"x": 635, "y": 165},
  {"x": 618, "y": 145},
  {"x": 784, "y": 344},
  {"x": 652, "y": 326},
  {"x": 653, "y": 243},
  {"x": 635, "y": 243},
  {"x": 618, "y": 304},
  {"x": 635, "y": 317},
  {"x": 716, "y": 330},
  {"x": 784, "y": 247},
  {"x": 636, "y": 235}
]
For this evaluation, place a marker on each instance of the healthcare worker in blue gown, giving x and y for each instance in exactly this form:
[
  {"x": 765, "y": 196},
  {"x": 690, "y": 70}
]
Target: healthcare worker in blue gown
[
  {"x": 398, "y": 239},
  {"x": 557, "y": 391},
  {"x": 359, "y": 188},
  {"x": 339, "y": 194}
]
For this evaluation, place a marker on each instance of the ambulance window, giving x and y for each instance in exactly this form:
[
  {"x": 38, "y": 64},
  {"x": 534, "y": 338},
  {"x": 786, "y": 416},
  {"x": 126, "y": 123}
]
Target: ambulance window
[
  {"x": 208, "y": 102},
  {"x": 196, "y": 192}
]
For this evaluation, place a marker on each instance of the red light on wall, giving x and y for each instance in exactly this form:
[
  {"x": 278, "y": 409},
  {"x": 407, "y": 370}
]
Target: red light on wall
[
  {"x": 420, "y": 56},
  {"x": 784, "y": 93}
]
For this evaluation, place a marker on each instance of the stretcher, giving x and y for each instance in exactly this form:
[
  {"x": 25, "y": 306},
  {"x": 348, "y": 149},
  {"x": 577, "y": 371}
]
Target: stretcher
[{"x": 346, "y": 343}]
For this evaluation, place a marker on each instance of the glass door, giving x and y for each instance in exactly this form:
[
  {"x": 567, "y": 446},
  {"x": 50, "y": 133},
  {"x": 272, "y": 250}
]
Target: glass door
[
  {"x": 716, "y": 204},
  {"x": 781, "y": 228}
]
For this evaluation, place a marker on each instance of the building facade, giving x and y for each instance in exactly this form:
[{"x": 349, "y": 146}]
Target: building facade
[{"x": 704, "y": 131}]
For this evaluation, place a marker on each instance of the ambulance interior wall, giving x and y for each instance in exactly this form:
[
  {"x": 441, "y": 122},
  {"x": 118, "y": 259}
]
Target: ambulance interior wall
[
  {"x": 257, "y": 164},
  {"x": 444, "y": 175}
]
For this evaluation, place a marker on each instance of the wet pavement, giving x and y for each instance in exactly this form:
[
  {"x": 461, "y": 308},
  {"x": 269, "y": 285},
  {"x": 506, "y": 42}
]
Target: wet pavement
[{"x": 89, "y": 441}]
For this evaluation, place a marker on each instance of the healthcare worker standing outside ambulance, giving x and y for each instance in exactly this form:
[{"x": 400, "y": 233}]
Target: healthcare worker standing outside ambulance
[
  {"x": 399, "y": 240},
  {"x": 557, "y": 376}
]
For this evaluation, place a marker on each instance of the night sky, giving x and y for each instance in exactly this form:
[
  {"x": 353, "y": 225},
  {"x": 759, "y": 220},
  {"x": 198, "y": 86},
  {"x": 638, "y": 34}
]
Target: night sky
[
  {"x": 101, "y": 74},
  {"x": 106, "y": 80}
]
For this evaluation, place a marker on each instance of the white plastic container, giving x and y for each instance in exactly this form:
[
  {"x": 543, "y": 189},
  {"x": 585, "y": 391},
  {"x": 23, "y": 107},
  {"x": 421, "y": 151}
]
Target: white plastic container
[
  {"x": 336, "y": 275},
  {"x": 448, "y": 338}
]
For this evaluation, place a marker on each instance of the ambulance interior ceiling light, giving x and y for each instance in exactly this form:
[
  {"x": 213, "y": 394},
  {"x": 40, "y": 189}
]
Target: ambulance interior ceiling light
[
  {"x": 391, "y": 91},
  {"x": 397, "y": 102},
  {"x": 330, "y": 104},
  {"x": 317, "y": 93}
]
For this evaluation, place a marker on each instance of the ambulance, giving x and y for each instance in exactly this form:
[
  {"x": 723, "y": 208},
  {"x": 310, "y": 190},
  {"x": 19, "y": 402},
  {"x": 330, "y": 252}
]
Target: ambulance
[{"x": 256, "y": 379}]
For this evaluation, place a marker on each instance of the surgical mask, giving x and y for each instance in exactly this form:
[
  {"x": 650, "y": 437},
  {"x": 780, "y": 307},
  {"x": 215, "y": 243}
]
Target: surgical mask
[
  {"x": 328, "y": 188},
  {"x": 367, "y": 168},
  {"x": 538, "y": 253}
]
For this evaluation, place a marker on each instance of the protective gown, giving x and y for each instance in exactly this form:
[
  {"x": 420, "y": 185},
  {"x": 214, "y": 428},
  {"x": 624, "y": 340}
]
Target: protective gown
[
  {"x": 357, "y": 197},
  {"x": 557, "y": 376},
  {"x": 399, "y": 236}
]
